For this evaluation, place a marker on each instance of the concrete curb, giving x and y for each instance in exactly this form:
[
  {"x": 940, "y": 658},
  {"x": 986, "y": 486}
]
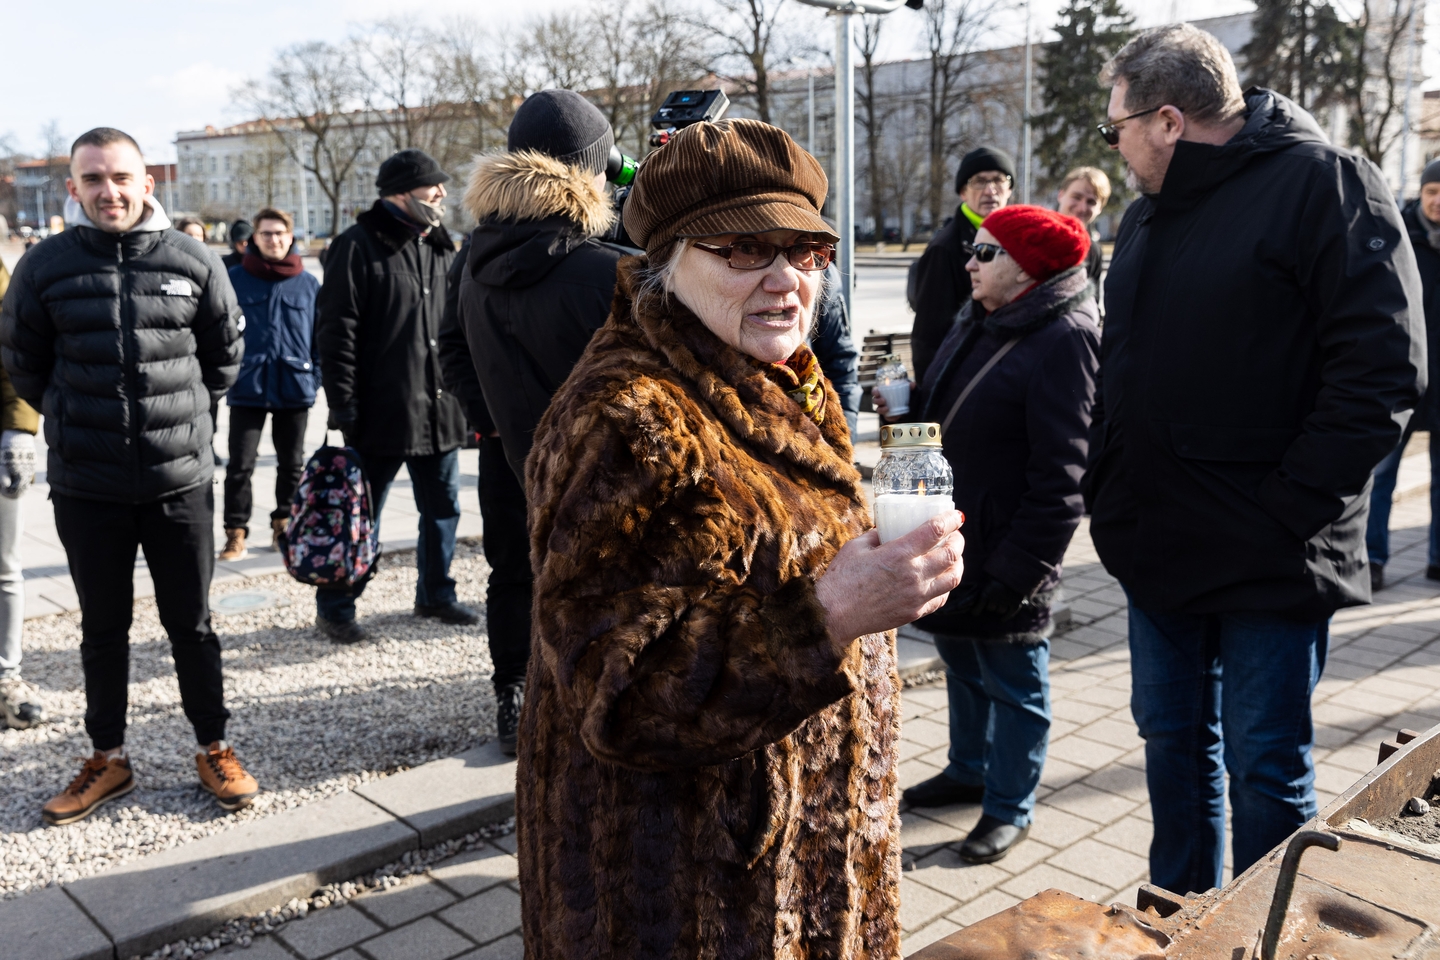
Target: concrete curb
[{"x": 183, "y": 892}]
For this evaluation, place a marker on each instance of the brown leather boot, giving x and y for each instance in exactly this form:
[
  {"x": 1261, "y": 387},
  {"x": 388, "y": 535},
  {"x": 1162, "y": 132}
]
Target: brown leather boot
[
  {"x": 234, "y": 544},
  {"x": 278, "y": 526},
  {"x": 100, "y": 781},
  {"x": 222, "y": 774}
]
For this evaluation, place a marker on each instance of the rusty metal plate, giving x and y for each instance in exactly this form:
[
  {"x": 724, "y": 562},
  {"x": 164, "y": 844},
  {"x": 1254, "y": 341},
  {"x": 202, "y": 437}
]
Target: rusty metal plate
[{"x": 1054, "y": 925}]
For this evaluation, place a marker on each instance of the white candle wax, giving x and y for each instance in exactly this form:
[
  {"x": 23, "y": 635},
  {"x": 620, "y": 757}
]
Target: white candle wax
[
  {"x": 896, "y": 514},
  {"x": 897, "y": 396}
]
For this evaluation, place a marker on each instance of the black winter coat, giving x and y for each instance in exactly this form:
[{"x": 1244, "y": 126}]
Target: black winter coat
[
  {"x": 455, "y": 363},
  {"x": 937, "y": 287},
  {"x": 834, "y": 347},
  {"x": 1017, "y": 446},
  {"x": 537, "y": 286},
  {"x": 1263, "y": 350},
  {"x": 377, "y": 326},
  {"x": 1427, "y": 259},
  {"x": 123, "y": 341}
]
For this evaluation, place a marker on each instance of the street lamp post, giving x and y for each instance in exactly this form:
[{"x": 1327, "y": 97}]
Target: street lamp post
[{"x": 844, "y": 12}]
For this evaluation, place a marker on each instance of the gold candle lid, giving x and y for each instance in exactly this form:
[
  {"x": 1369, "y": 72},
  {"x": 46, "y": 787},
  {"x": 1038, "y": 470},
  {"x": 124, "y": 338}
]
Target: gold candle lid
[{"x": 909, "y": 435}]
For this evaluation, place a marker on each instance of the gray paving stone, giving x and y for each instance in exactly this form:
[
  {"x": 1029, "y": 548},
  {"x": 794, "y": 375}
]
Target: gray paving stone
[
  {"x": 919, "y": 904},
  {"x": 425, "y": 939},
  {"x": 1104, "y": 864},
  {"x": 944, "y": 872},
  {"x": 400, "y": 905},
  {"x": 934, "y": 930},
  {"x": 268, "y": 948},
  {"x": 450, "y": 797},
  {"x": 326, "y": 931},
  {"x": 47, "y": 925},
  {"x": 486, "y": 916},
  {"x": 469, "y": 873},
  {"x": 196, "y": 886},
  {"x": 510, "y": 948},
  {"x": 984, "y": 906}
]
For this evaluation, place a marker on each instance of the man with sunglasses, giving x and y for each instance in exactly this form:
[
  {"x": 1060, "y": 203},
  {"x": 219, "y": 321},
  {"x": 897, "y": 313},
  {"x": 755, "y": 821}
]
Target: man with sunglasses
[
  {"x": 938, "y": 284},
  {"x": 1263, "y": 350}
]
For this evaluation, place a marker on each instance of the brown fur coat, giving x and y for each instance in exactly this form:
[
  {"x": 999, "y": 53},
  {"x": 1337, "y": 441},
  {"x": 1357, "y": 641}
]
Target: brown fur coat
[{"x": 703, "y": 772}]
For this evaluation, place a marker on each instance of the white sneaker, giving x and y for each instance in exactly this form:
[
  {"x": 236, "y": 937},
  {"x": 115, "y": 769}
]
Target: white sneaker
[{"x": 21, "y": 704}]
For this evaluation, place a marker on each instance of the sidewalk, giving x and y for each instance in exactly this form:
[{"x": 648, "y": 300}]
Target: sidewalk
[{"x": 1092, "y": 824}]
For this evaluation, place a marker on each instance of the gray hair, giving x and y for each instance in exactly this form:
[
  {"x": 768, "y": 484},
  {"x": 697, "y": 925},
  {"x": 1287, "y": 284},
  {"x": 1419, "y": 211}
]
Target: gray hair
[{"x": 1179, "y": 65}]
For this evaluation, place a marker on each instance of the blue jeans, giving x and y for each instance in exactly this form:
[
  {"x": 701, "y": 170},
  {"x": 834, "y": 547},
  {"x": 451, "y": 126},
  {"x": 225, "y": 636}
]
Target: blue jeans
[
  {"x": 1377, "y": 533},
  {"x": 1223, "y": 686},
  {"x": 436, "y": 481},
  {"x": 999, "y": 720}
]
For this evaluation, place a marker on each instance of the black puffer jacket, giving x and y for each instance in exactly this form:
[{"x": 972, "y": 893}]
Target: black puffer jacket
[
  {"x": 123, "y": 341},
  {"x": 377, "y": 326},
  {"x": 1017, "y": 446},
  {"x": 937, "y": 287},
  {"x": 1264, "y": 346},
  {"x": 537, "y": 285}
]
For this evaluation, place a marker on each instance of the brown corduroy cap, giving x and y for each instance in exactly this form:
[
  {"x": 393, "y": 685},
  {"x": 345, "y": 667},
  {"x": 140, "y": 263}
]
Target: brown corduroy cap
[{"x": 730, "y": 176}]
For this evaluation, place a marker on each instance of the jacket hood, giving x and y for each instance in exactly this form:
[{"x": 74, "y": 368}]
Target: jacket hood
[
  {"x": 157, "y": 220},
  {"x": 1045, "y": 302},
  {"x": 1272, "y": 123},
  {"x": 510, "y": 254},
  {"x": 527, "y": 185}
]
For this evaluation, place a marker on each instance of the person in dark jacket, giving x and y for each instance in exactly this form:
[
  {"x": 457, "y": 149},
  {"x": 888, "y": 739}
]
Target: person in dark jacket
[
  {"x": 1422, "y": 221},
  {"x": 834, "y": 347},
  {"x": 278, "y": 378},
  {"x": 1023, "y": 357},
  {"x": 377, "y": 322},
  {"x": 239, "y": 236},
  {"x": 1083, "y": 194},
  {"x": 938, "y": 285},
  {"x": 539, "y": 281},
  {"x": 1263, "y": 350},
  {"x": 121, "y": 331},
  {"x": 502, "y": 515}
]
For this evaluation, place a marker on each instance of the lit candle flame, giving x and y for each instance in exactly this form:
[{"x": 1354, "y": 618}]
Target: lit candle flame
[{"x": 922, "y": 488}]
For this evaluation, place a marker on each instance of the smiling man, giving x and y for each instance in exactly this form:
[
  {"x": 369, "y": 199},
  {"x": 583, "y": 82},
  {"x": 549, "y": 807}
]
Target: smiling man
[
  {"x": 1264, "y": 347},
  {"x": 122, "y": 332}
]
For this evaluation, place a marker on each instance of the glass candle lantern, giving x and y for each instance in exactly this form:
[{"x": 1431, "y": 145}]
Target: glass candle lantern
[
  {"x": 893, "y": 383},
  {"x": 913, "y": 481}
]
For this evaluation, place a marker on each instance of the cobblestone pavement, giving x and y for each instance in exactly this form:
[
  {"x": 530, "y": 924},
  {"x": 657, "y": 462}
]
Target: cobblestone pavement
[{"x": 1092, "y": 824}]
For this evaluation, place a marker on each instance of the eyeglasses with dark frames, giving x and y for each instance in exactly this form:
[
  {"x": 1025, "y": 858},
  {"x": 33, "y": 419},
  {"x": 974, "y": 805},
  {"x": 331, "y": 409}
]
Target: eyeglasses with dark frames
[
  {"x": 750, "y": 254},
  {"x": 983, "y": 252},
  {"x": 1110, "y": 129}
]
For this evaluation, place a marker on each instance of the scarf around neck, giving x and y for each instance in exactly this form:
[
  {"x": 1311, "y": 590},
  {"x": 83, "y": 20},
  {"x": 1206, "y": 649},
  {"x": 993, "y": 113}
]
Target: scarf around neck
[
  {"x": 272, "y": 270},
  {"x": 801, "y": 379}
]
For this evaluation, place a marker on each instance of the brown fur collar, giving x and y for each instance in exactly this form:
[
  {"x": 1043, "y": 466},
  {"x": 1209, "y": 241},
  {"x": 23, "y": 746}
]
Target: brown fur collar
[
  {"x": 384, "y": 227},
  {"x": 527, "y": 185},
  {"x": 735, "y": 386}
]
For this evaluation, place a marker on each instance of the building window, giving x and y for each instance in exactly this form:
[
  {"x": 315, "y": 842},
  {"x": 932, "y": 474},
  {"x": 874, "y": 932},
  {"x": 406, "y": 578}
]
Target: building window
[{"x": 212, "y": 164}]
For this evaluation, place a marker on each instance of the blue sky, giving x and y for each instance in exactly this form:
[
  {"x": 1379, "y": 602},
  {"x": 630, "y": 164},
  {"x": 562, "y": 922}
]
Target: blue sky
[{"x": 173, "y": 67}]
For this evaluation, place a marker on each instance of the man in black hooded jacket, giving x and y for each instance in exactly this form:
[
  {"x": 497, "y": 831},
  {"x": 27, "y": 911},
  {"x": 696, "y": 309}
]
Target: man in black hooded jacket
[{"x": 1263, "y": 350}]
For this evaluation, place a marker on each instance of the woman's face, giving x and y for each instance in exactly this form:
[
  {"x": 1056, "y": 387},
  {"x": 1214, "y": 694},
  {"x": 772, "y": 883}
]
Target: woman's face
[
  {"x": 996, "y": 283},
  {"x": 764, "y": 313}
]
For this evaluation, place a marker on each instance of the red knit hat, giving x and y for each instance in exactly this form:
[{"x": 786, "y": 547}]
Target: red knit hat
[{"x": 1042, "y": 241}]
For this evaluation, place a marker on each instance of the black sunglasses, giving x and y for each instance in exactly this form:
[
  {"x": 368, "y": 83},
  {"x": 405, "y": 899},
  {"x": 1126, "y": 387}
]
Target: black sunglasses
[
  {"x": 807, "y": 255},
  {"x": 1110, "y": 130},
  {"x": 984, "y": 252}
]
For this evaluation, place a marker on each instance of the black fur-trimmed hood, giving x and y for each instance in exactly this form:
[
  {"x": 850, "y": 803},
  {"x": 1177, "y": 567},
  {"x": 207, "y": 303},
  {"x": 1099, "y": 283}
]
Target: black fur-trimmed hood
[
  {"x": 388, "y": 230},
  {"x": 1043, "y": 304}
]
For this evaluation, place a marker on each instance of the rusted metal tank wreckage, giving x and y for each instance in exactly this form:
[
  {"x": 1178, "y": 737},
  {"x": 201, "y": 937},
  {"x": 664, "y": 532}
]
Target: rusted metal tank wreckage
[{"x": 1371, "y": 891}]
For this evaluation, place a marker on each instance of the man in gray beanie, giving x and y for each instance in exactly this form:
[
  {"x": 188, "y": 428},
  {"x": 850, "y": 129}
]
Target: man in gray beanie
[
  {"x": 1422, "y": 221},
  {"x": 535, "y": 283}
]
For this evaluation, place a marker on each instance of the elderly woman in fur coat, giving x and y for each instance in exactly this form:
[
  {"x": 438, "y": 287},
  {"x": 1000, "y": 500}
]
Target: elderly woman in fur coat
[{"x": 707, "y": 762}]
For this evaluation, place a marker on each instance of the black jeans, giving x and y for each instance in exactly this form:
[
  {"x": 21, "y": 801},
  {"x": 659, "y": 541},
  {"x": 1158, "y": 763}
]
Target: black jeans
[
  {"x": 178, "y": 537},
  {"x": 287, "y": 427},
  {"x": 507, "y": 550}
]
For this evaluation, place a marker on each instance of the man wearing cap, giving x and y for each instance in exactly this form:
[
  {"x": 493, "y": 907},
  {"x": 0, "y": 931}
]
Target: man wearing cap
[
  {"x": 239, "y": 236},
  {"x": 377, "y": 319},
  {"x": 1422, "y": 222},
  {"x": 939, "y": 285}
]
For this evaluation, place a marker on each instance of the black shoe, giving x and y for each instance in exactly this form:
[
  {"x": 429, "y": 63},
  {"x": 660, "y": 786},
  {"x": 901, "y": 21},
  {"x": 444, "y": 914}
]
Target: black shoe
[
  {"x": 1377, "y": 577},
  {"x": 341, "y": 631},
  {"x": 452, "y": 612},
  {"x": 941, "y": 791},
  {"x": 508, "y": 700},
  {"x": 1432, "y": 572},
  {"x": 991, "y": 840}
]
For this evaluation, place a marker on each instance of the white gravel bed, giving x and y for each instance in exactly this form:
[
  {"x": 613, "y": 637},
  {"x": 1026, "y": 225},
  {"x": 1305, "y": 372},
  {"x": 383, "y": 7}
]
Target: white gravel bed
[{"x": 309, "y": 718}]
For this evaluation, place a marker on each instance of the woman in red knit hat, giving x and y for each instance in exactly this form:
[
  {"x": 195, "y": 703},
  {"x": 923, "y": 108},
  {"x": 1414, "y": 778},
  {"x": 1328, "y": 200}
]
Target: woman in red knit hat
[{"x": 1012, "y": 385}]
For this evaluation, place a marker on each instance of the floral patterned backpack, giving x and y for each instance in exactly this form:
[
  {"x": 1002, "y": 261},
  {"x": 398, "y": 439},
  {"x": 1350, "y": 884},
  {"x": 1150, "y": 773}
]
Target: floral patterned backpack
[{"x": 332, "y": 539}]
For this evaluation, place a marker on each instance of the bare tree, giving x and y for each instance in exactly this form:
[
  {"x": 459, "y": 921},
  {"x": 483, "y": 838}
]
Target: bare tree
[
  {"x": 311, "y": 101},
  {"x": 905, "y": 179},
  {"x": 669, "y": 51},
  {"x": 952, "y": 33},
  {"x": 559, "y": 45},
  {"x": 1374, "y": 88},
  {"x": 397, "y": 69},
  {"x": 262, "y": 169},
  {"x": 755, "y": 37},
  {"x": 867, "y": 41},
  {"x": 56, "y": 143}
]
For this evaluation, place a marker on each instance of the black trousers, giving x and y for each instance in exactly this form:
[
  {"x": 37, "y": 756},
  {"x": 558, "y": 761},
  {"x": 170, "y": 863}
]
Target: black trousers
[
  {"x": 507, "y": 550},
  {"x": 287, "y": 427},
  {"x": 178, "y": 537}
]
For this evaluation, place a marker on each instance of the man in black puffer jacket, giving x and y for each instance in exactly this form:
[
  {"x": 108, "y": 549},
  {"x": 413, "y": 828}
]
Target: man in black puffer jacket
[
  {"x": 376, "y": 326},
  {"x": 122, "y": 332}
]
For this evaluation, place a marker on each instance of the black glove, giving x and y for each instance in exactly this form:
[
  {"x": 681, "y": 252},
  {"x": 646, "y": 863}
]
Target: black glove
[
  {"x": 342, "y": 419},
  {"x": 999, "y": 601}
]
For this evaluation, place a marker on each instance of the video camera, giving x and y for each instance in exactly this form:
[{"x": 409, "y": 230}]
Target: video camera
[{"x": 680, "y": 109}]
